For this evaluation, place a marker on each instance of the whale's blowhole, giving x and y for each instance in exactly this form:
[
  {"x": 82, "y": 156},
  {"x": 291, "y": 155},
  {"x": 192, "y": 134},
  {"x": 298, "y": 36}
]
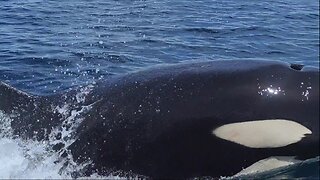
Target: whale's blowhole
[{"x": 297, "y": 67}]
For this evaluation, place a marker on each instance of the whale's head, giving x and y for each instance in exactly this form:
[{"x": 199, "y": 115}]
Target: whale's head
[
  {"x": 263, "y": 104},
  {"x": 198, "y": 119}
]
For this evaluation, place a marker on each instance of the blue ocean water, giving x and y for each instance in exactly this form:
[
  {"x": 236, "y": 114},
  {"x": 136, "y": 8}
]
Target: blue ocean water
[
  {"x": 51, "y": 45},
  {"x": 48, "y": 46}
]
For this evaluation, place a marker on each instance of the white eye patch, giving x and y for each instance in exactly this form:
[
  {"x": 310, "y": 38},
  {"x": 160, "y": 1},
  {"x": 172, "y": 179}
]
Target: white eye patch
[{"x": 271, "y": 133}]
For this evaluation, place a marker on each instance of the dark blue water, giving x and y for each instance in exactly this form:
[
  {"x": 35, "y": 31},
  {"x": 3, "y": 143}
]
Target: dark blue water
[
  {"x": 51, "y": 45},
  {"x": 48, "y": 46}
]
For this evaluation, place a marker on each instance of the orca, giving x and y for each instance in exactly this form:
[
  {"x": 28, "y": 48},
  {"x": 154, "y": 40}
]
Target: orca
[{"x": 198, "y": 119}]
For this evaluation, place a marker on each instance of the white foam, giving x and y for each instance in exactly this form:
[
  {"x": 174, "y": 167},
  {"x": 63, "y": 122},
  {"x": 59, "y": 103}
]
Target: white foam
[
  {"x": 31, "y": 159},
  {"x": 20, "y": 159},
  {"x": 20, "y": 162}
]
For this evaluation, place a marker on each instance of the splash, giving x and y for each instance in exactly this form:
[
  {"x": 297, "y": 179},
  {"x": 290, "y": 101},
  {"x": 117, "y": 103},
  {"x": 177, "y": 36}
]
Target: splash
[{"x": 46, "y": 159}]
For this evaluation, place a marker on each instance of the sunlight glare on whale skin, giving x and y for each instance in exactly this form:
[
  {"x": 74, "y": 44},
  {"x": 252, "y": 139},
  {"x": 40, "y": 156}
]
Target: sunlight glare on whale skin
[
  {"x": 210, "y": 110},
  {"x": 263, "y": 133}
]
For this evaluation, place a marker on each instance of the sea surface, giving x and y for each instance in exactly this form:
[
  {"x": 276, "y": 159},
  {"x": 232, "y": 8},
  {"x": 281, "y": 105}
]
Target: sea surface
[{"x": 50, "y": 46}]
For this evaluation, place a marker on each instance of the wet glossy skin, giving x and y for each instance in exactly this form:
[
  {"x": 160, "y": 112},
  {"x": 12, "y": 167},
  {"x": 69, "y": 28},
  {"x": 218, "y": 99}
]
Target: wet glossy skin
[{"x": 159, "y": 122}]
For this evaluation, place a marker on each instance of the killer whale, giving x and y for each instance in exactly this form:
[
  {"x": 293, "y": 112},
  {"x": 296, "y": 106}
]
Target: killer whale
[{"x": 187, "y": 120}]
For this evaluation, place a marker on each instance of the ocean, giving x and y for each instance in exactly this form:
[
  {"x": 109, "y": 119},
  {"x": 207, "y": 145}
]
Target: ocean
[{"x": 51, "y": 46}]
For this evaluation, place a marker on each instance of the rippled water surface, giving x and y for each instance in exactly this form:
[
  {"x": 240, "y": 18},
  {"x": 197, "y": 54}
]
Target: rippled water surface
[{"x": 48, "y": 46}]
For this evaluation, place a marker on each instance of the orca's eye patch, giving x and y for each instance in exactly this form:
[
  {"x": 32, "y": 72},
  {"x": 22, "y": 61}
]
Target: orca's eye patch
[{"x": 271, "y": 133}]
